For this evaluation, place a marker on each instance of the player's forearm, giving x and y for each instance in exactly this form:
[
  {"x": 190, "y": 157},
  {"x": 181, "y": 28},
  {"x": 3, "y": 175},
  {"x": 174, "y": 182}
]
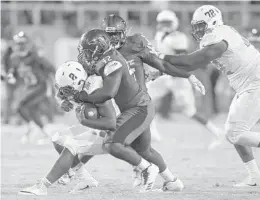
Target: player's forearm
[
  {"x": 102, "y": 123},
  {"x": 99, "y": 96},
  {"x": 174, "y": 71},
  {"x": 188, "y": 62}
]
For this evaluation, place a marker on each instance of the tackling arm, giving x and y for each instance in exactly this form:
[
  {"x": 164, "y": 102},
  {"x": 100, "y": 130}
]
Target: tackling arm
[
  {"x": 164, "y": 66},
  {"x": 199, "y": 58},
  {"x": 111, "y": 84},
  {"x": 106, "y": 121}
]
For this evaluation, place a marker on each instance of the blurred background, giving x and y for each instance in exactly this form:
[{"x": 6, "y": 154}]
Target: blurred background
[{"x": 55, "y": 26}]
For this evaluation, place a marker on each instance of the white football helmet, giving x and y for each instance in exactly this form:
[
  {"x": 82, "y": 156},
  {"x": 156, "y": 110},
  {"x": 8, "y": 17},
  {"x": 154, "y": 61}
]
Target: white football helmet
[
  {"x": 204, "y": 20},
  {"x": 167, "y": 21},
  {"x": 72, "y": 74}
]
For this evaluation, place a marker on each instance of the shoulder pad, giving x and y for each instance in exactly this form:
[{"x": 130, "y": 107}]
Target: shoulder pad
[
  {"x": 138, "y": 42},
  {"x": 111, "y": 67},
  {"x": 213, "y": 37}
]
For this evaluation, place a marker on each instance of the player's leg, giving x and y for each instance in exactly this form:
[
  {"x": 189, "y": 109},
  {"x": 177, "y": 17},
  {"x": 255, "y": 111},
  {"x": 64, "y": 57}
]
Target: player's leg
[
  {"x": 243, "y": 114},
  {"x": 29, "y": 104},
  {"x": 143, "y": 146},
  {"x": 61, "y": 166},
  {"x": 130, "y": 124}
]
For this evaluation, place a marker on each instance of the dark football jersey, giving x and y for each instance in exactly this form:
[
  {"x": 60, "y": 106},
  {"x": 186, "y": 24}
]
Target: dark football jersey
[{"x": 129, "y": 94}]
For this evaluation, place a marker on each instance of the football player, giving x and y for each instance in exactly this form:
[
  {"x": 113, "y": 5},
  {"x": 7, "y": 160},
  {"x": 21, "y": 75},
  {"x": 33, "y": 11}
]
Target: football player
[
  {"x": 170, "y": 41},
  {"x": 131, "y": 141},
  {"x": 77, "y": 140},
  {"x": 239, "y": 60},
  {"x": 138, "y": 51},
  {"x": 34, "y": 71}
]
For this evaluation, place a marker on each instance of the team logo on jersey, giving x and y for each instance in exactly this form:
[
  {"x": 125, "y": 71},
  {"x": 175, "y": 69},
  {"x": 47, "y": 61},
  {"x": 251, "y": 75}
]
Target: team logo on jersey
[{"x": 111, "y": 67}]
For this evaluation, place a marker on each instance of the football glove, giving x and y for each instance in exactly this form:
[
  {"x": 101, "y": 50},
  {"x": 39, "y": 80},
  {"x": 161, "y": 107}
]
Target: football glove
[
  {"x": 67, "y": 106},
  {"x": 197, "y": 84}
]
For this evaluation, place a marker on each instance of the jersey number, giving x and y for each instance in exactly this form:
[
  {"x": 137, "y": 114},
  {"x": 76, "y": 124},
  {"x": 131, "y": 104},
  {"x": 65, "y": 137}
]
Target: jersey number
[
  {"x": 210, "y": 13},
  {"x": 73, "y": 76}
]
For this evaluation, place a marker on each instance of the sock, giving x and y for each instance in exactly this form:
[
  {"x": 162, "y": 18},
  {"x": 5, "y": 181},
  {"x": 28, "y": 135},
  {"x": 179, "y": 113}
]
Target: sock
[
  {"x": 167, "y": 175},
  {"x": 46, "y": 182},
  {"x": 143, "y": 164},
  {"x": 252, "y": 168},
  {"x": 212, "y": 128}
]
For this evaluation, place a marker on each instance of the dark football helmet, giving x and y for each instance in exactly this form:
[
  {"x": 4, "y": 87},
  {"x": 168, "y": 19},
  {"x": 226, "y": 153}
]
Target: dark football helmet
[
  {"x": 92, "y": 46},
  {"x": 115, "y": 27},
  {"x": 22, "y": 44}
]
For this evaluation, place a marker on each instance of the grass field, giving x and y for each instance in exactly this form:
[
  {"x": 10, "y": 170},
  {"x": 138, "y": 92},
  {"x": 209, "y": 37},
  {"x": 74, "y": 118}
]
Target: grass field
[{"x": 207, "y": 175}]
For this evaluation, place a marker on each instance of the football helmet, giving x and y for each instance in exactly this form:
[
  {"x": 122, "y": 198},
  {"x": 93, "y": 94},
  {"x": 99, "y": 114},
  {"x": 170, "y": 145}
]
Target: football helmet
[
  {"x": 92, "y": 46},
  {"x": 71, "y": 74},
  {"x": 204, "y": 20},
  {"x": 167, "y": 21},
  {"x": 115, "y": 27},
  {"x": 22, "y": 44}
]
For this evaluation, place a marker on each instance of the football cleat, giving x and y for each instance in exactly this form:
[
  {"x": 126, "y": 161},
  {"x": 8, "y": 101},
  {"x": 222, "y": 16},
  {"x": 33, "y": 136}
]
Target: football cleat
[
  {"x": 86, "y": 181},
  {"x": 173, "y": 186},
  {"x": 137, "y": 177},
  {"x": 39, "y": 189},
  {"x": 217, "y": 142},
  {"x": 149, "y": 176},
  {"x": 248, "y": 182}
]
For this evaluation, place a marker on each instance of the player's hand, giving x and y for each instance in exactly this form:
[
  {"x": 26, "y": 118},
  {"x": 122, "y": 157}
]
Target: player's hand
[
  {"x": 197, "y": 84},
  {"x": 67, "y": 91},
  {"x": 67, "y": 106}
]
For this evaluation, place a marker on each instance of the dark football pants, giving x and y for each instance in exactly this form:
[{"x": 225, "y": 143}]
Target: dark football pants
[{"x": 133, "y": 127}]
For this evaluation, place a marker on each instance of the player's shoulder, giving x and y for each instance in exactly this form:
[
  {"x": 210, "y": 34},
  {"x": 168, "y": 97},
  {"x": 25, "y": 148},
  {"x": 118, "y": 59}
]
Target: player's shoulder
[
  {"x": 215, "y": 36},
  {"x": 112, "y": 66},
  {"x": 137, "y": 42}
]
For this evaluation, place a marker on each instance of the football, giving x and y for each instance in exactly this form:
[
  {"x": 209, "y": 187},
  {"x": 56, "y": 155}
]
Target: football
[{"x": 90, "y": 111}]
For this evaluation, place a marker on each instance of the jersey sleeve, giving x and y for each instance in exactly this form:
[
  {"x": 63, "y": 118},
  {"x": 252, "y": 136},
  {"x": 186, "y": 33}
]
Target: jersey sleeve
[
  {"x": 111, "y": 67},
  {"x": 93, "y": 83},
  {"x": 212, "y": 38}
]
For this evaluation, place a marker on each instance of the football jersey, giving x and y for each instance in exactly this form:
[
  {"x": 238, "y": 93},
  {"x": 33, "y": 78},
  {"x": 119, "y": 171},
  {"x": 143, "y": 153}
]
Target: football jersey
[
  {"x": 171, "y": 43},
  {"x": 240, "y": 62},
  {"x": 137, "y": 50},
  {"x": 130, "y": 93}
]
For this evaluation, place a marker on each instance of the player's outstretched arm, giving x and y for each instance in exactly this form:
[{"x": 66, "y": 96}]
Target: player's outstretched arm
[
  {"x": 199, "y": 58},
  {"x": 106, "y": 120},
  {"x": 111, "y": 83},
  {"x": 165, "y": 67}
]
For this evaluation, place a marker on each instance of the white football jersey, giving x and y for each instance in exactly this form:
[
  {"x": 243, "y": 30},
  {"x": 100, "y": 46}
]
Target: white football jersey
[
  {"x": 170, "y": 43},
  {"x": 240, "y": 62},
  {"x": 93, "y": 83}
]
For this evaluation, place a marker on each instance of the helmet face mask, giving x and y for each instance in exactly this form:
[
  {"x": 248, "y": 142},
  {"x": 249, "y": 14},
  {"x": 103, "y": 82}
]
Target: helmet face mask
[
  {"x": 93, "y": 45},
  {"x": 115, "y": 27},
  {"x": 199, "y": 29}
]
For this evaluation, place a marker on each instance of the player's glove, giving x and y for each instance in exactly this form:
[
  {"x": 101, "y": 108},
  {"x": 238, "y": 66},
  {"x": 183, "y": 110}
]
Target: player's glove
[
  {"x": 80, "y": 113},
  {"x": 66, "y": 105},
  {"x": 197, "y": 84},
  {"x": 67, "y": 91}
]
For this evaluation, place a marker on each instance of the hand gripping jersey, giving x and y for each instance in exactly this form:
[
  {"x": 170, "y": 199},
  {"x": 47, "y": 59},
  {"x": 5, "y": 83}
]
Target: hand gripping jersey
[
  {"x": 171, "y": 43},
  {"x": 137, "y": 50},
  {"x": 240, "y": 62},
  {"x": 129, "y": 94}
]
